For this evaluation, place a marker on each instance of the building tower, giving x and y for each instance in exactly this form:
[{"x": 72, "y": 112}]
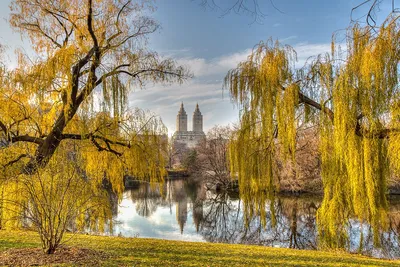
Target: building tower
[
  {"x": 197, "y": 120},
  {"x": 181, "y": 120},
  {"x": 182, "y": 135}
]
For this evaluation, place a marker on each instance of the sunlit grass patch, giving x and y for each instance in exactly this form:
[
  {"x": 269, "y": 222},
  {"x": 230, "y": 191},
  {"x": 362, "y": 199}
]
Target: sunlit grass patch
[{"x": 154, "y": 252}]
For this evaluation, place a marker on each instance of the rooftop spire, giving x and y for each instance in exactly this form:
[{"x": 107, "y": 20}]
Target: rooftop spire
[
  {"x": 197, "y": 109},
  {"x": 182, "y": 110}
]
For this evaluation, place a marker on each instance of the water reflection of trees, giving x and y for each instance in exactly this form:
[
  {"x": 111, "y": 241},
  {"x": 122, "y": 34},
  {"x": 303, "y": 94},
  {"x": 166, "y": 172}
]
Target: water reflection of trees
[
  {"x": 362, "y": 235},
  {"x": 289, "y": 222},
  {"x": 295, "y": 223},
  {"x": 146, "y": 197},
  {"x": 391, "y": 240}
]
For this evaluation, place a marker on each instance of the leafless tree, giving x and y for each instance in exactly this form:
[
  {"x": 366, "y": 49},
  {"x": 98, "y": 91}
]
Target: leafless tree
[
  {"x": 246, "y": 7},
  {"x": 176, "y": 153},
  {"x": 303, "y": 174},
  {"x": 367, "y": 11},
  {"x": 213, "y": 157}
]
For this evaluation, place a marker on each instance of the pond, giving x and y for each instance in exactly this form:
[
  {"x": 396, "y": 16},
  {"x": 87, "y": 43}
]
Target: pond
[{"x": 186, "y": 211}]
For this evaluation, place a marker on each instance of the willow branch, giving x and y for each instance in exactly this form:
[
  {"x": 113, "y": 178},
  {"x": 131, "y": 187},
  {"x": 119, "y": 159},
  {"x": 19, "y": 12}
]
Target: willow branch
[
  {"x": 92, "y": 136},
  {"x": 40, "y": 30},
  {"x": 3, "y": 127},
  {"x": 16, "y": 160},
  {"x": 117, "y": 24}
]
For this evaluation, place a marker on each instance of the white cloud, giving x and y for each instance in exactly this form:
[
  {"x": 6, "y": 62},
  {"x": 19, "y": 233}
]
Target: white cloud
[
  {"x": 292, "y": 37},
  {"x": 216, "y": 66},
  {"x": 306, "y": 50}
]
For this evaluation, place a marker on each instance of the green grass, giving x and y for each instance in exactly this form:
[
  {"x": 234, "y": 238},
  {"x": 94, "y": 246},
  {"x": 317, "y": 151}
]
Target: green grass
[{"x": 153, "y": 252}]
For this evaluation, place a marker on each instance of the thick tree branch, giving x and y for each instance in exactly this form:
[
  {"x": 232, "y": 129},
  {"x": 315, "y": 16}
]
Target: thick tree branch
[
  {"x": 26, "y": 138},
  {"x": 91, "y": 80},
  {"x": 93, "y": 136},
  {"x": 90, "y": 24},
  {"x": 306, "y": 100},
  {"x": 380, "y": 134},
  {"x": 76, "y": 73}
]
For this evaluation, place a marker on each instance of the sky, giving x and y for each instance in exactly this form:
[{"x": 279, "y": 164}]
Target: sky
[{"x": 210, "y": 43}]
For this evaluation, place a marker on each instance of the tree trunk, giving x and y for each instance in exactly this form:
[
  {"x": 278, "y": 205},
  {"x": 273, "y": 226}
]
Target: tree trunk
[
  {"x": 46, "y": 150},
  {"x": 51, "y": 249}
]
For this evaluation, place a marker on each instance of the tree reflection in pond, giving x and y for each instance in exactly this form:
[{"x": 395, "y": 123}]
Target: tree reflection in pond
[
  {"x": 295, "y": 222},
  {"x": 147, "y": 199},
  {"x": 183, "y": 210}
]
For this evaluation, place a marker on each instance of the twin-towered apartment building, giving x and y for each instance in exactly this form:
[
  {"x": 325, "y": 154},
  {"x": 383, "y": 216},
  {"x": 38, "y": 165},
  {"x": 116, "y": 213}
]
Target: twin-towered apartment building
[{"x": 182, "y": 135}]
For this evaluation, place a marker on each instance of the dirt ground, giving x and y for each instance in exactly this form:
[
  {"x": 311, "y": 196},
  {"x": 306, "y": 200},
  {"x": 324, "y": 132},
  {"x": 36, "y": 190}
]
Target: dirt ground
[{"x": 64, "y": 255}]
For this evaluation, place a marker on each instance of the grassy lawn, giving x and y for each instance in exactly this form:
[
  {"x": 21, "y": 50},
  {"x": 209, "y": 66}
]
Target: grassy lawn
[{"x": 152, "y": 252}]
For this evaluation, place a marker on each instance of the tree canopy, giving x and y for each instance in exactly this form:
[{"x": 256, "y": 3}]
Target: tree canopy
[{"x": 354, "y": 98}]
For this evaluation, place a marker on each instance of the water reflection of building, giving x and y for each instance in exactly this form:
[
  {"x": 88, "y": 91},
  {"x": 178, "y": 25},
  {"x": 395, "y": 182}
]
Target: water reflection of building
[
  {"x": 176, "y": 192},
  {"x": 181, "y": 213},
  {"x": 197, "y": 213}
]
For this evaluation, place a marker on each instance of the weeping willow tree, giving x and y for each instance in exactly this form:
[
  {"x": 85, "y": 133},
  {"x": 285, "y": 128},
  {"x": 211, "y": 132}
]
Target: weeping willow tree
[
  {"x": 90, "y": 55},
  {"x": 86, "y": 48},
  {"x": 355, "y": 100},
  {"x": 72, "y": 95}
]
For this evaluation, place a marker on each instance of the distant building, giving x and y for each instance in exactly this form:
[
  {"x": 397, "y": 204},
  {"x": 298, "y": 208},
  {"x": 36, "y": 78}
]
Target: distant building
[{"x": 182, "y": 135}]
